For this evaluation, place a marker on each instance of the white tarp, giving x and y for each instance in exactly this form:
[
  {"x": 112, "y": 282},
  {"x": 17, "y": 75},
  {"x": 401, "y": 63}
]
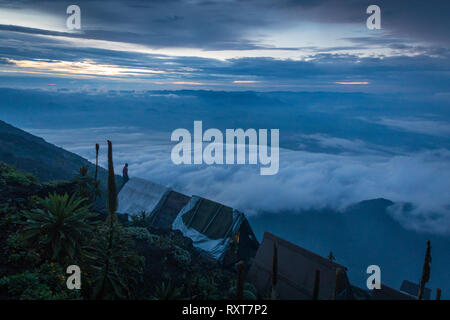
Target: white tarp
[
  {"x": 214, "y": 248},
  {"x": 140, "y": 195}
]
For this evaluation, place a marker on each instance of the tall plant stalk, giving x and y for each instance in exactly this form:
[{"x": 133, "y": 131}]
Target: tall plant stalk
[
  {"x": 315, "y": 295},
  {"x": 97, "y": 148},
  {"x": 438, "y": 294},
  {"x": 425, "y": 271},
  {"x": 111, "y": 220},
  {"x": 274, "y": 270},
  {"x": 112, "y": 191},
  {"x": 96, "y": 183},
  {"x": 240, "y": 281},
  {"x": 337, "y": 281}
]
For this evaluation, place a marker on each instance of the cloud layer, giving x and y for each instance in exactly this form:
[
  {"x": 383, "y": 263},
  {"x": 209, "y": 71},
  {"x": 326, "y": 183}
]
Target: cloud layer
[
  {"x": 227, "y": 45},
  {"x": 230, "y": 24},
  {"x": 305, "y": 180}
]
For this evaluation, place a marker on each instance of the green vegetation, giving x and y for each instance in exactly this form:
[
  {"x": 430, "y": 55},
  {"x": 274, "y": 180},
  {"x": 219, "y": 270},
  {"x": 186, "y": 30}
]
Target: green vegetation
[
  {"x": 11, "y": 177},
  {"x": 44, "y": 283},
  {"x": 87, "y": 187},
  {"x": 113, "y": 266},
  {"x": 112, "y": 263},
  {"x": 45, "y": 227},
  {"x": 64, "y": 212},
  {"x": 166, "y": 292},
  {"x": 141, "y": 220},
  {"x": 60, "y": 225}
]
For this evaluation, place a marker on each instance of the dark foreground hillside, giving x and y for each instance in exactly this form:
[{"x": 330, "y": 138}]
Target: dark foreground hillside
[{"x": 147, "y": 264}]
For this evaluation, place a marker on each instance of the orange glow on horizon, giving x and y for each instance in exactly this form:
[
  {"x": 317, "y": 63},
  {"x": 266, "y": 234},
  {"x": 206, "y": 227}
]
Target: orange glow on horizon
[
  {"x": 245, "y": 81},
  {"x": 188, "y": 82},
  {"x": 354, "y": 83}
]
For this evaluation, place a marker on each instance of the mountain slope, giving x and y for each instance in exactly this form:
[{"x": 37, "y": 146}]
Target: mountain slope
[
  {"x": 32, "y": 154},
  {"x": 46, "y": 161}
]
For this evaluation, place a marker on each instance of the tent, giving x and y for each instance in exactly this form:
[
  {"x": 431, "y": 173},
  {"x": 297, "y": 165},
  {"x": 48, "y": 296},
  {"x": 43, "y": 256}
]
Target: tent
[
  {"x": 139, "y": 195},
  {"x": 167, "y": 209},
  {"x": 221, "y": 232},
  {"x": 412, "y": 289},
  {"x": 296, "y": 272},
  {"x": 388, "y": 293}
]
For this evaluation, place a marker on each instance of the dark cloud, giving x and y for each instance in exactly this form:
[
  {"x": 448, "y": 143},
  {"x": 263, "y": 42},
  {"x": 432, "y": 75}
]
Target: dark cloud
[
  {"x": 425, "y": 72},
  {"x": 406, "y": 19},
  {"x": 224, "y": 24},
  {"x": 215, "y": 25}
]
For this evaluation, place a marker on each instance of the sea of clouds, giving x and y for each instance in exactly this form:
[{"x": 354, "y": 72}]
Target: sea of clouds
[{"x": 305, "y": 180}]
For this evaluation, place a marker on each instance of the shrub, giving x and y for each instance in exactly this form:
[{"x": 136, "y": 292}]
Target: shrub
[
  {"x": 61, "y": 226},
  {"x": 19, "y": 252},
  {"x": 141, "y": 220},
  {"x": 166, "y": 292},
  {"x": 139, "y": 233},
  {"x": 113, "y": 266},
  {"x": 45, "y": 283},
  {"x": 249, "y": 293},
  {"x": 182, "y": 257},
  {"x": 86, "y": 186},
  {"x": 11, "y": 176}
]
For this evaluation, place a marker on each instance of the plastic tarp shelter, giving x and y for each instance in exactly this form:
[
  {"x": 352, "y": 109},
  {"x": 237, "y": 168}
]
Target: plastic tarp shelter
[
  {"x": 139, "y": 195},
  {"x": 296, "y": 272},
  {"x": 388, "y": 293},
  {"x": 209, "y": 224},
  {"x": 167, "y": 209},
  {"x": 412, "y": 289}
]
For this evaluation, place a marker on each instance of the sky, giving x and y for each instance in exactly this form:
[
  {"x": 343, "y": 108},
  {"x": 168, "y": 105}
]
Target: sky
[
  {"x": 264, "y": 45},
  {"x": 389, "y": 141}
]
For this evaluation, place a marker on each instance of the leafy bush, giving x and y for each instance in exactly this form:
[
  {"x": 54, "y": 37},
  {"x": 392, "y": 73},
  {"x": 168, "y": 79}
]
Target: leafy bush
[
  {"x": 139, "y": 233},
  {"x": 25, "y": 286},
  {"x": 140, "y": 220},
  {"x": 86, "y": 186},
  {"x": 20, "y": 253},
  {"x": 45, "y": 283},
  {"x": 166, "y": 292},
  {"x": 11, "y": 176},
  {"x": 61, "y": 226},
  {"x": 205, "y": 287},
  {"x": 182, "y": 257},
  {"x": 112, "y": 264},
  {"x": 7, "y": 214},
  {"x": 249, "y": 292}
]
